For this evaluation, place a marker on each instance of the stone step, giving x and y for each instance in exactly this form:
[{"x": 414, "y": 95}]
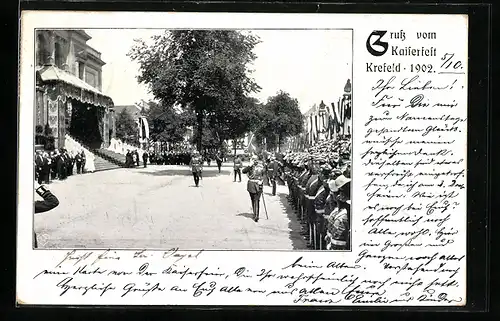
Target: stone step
[
  {"x": 101, "y": 164},
  {"x": 113, "y": 157}
]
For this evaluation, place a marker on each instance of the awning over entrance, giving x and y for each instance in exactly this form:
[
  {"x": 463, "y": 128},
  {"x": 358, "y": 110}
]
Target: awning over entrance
[{"x": 73, "y": 87}]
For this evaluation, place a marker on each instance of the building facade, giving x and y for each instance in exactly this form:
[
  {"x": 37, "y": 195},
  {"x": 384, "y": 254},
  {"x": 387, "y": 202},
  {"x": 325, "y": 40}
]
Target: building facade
[
  {"x": 68, "y": 88},
  {"x": 325, "y": 121}
]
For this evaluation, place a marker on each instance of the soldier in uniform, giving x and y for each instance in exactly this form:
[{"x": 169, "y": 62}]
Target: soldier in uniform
[
  {"x": 272, "y": 173},
  {"x": 218, "y": 159},
  {"x": 312, "y": 186},
  {"x": 196, "y": 165},
  {"x": 320, "y": 206},
  {"x": 238, "y": 164},
  {"x": 338, "y": 222},
  {"x": 49, "y": 202},
  {"x": 255, "y": 174}
]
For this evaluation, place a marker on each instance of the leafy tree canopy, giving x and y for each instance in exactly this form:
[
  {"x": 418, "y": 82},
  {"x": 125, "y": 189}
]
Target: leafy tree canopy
[
  {"x": 126, "y": 129},
  {"x": 203, "y": 71},
  {"x": 165, "y": 123},
  {"x": 281, "y": 118}
]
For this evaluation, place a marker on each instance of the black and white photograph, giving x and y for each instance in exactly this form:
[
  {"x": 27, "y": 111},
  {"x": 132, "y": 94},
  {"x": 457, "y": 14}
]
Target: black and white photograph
[{"x": 216, "y": 139}]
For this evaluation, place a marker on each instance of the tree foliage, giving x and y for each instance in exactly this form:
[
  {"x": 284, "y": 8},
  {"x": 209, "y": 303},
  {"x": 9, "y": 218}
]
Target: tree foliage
[
  {"x": 165, "y": 123},
  {"x": 126, "y": 129},
  {"x": 280, "y": 118},
  {"x": 205, "y": 72}
]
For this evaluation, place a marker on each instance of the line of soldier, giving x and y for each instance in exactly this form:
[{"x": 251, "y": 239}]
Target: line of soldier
[
  {"x": 57, "y": 164},
  {"x": 170, "y": 158},
  {"x": 319, "y": 191}
]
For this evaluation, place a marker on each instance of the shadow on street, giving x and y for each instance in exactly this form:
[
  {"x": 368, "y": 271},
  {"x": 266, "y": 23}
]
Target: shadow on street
[
  {"x": 298, "y": 242},
  {"x": 185, "y": 172},
  {"x": 247, "y": 215}
]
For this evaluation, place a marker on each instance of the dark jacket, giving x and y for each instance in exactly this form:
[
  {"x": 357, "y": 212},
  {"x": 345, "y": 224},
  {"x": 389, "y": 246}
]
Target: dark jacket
[
  {"x": 255, "y": 178},
  {"x": 49, "y": 202}
]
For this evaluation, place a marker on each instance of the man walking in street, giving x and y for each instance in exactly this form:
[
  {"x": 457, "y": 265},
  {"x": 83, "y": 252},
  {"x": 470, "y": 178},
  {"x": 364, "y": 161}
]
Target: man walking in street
[
  {"x": 218, "y": 159},
  {"x": 238, "y": 164},
  {"x": 272, "y": 173},
  {"x": 196, "y": 165},
  {"x": 255, "y": 174}
]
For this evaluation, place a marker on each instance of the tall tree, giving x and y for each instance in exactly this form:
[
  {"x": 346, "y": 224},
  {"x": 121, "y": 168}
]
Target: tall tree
[
  {"x": 204, "y": 71},
  {"x": 126, "y": 128},
  {"x": 236, "y": 120},
  {"x": 166, "y": 124},
  {"x": 282, "y": 118}
]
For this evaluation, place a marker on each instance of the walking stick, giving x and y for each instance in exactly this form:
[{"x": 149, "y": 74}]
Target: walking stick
[{"x": 264, "y": 201}]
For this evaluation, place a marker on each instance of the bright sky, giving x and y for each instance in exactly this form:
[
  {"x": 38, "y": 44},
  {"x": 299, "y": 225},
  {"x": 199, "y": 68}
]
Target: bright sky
[{"x": 311, "y": 65}]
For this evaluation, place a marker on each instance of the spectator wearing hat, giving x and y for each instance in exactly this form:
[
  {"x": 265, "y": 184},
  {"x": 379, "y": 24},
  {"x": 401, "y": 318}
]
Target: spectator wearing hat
[
  {"x": 61, "y": 163},
  {"x": 255, "y": 174},
  {"x": 39, "y": 166},
  {"x": 312, "y": 187},
  {"x": 319, "y": 203},
  {"x": 301, "y": 189},
  {"x": 338, "y": 222},
  {"x": 46, "y": 168}
]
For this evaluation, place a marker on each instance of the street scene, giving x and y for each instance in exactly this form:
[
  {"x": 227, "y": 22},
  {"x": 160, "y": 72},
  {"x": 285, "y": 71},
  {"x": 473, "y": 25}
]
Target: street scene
[{"x": 193, "y": 139}]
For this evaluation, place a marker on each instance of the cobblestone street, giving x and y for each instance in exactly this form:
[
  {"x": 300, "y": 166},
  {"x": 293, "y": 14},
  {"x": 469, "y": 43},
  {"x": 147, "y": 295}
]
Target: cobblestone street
[{"x": 159, "y": 207}]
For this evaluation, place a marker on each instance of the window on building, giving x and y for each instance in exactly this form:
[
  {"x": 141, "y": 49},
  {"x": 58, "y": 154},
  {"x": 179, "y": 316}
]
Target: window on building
[
  {"x": 90, "y": 78},
  {"x": 41, "y": 54},
  {"x": 59, "y": 56},
  {"x": 81, "y": 70}
]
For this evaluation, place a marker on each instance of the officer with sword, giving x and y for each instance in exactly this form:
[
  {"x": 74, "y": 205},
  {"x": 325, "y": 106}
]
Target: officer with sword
[{"x": 255, "y": 183}]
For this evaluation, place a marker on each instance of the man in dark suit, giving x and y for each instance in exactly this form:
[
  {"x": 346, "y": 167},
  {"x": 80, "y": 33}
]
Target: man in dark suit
[
  {"x": 61, "y": 165},
  {"x": 136, "y": 153},
  {"x": 145, "y": 158},
  {"x": 255, "y": 183},
  {"x": 49, "y": 202},
  {"x": 46, "y": 168},
  {"x": 39, "y": 166}
]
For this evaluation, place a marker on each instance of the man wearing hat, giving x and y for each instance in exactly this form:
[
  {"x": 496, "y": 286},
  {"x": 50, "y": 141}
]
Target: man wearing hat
[
  {"x": 319, "y": 203},
  {"x": 312, "y": 187},
  {"x": 255, "y": 183},
  {"x": 237, "y": 167},
  {"x": 272, "y": 172},
  {"x": 196, "y": 165},
  {"x": 338, "y": 222},
  {"x": 301, "y": 188},
  {"x": 39, "y": 166}
]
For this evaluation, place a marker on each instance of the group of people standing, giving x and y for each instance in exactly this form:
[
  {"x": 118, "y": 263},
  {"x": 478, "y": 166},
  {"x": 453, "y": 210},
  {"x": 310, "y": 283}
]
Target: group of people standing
[
  {"x": 132, "y": 158},
  {"x": 170, "y": 158},
  {"x": 57, "y": 164},
  {"x": 320, "y": 192}
]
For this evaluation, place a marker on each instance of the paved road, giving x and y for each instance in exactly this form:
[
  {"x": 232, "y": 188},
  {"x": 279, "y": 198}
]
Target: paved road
[{"x": 159, "y": 207}]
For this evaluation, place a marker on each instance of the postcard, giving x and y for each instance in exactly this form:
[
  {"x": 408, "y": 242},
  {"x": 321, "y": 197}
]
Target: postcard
[{"x": 249, "y": 159}]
